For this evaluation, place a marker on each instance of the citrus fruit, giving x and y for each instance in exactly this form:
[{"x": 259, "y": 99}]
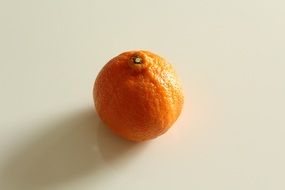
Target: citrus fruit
[{"x": 138, "y": 95}]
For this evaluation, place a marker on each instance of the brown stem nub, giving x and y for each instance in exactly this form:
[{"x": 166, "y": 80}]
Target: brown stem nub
[{"x": 137, "y": 60}]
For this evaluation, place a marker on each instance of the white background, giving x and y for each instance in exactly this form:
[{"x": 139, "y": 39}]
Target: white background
[{"x": 229, "y": 54}]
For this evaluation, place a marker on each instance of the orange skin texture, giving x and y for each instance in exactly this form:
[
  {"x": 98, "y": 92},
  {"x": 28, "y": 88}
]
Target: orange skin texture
[{"x": 138, "y": 101}]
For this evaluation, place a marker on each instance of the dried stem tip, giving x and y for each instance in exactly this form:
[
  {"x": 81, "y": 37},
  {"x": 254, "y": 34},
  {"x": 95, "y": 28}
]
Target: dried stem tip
[{"x": 137, "y": 60}]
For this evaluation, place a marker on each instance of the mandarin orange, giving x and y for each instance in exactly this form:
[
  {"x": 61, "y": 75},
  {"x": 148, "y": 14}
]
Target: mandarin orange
[{"x": 138, "y": 95}]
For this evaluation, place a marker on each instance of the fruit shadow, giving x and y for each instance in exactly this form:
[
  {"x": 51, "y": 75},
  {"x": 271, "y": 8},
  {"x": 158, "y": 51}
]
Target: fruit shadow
[{"x": 71, "y": 148}]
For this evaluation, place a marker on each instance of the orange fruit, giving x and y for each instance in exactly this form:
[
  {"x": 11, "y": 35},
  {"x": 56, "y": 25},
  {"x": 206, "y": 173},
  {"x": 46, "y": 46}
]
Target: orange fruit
[{"x": 138, "y": 95}]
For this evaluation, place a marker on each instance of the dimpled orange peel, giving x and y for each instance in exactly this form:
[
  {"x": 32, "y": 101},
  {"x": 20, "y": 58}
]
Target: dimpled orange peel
[{"x": 138, "y": 95}]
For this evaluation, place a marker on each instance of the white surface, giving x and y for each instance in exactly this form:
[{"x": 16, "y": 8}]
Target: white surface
[{"x": 229, "y": 54}]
